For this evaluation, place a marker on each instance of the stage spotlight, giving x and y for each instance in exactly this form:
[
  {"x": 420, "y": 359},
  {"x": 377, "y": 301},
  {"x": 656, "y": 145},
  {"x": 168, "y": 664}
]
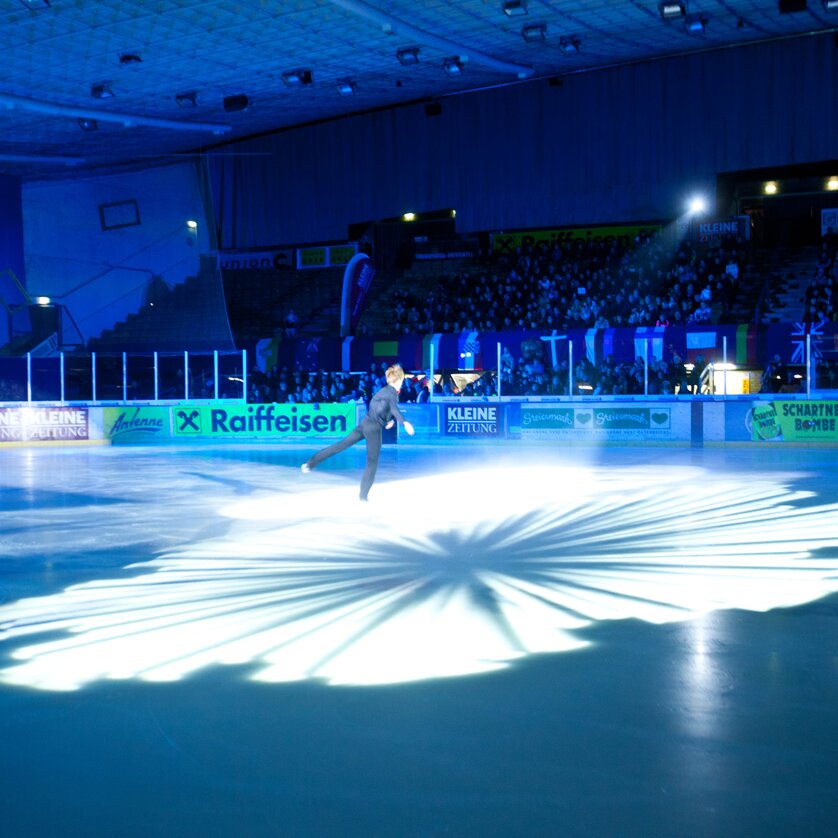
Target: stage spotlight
[
  {"x": 187, "y": 100},
  {"x": 409, "y": 55},
  {"x": 695, "y": 25},
  {"x": 569, "y": 46},
  {"x": 770, "y": 188},
  {"x": 513, "y": 8},
  {"x": 534, "y": 33},
  {"x": 697, "y": 205},
  {"x": 670, "y": 11},
  {"x": 409, "y": 216},
  {"x": 101, "y": 90},
  {"x": 452, "y": 66},
  {"x": 192, "y": 225},
  {"x": 297, "y": 78},
  {"x": 43, "y": 301},
  {"x": 832, "y": 184}
]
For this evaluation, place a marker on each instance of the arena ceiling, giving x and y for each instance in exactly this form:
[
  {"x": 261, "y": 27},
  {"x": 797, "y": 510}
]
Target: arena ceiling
[{"x": 89, "y": 83}]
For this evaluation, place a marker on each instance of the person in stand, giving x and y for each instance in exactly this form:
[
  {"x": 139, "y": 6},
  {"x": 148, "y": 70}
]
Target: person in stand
[{"x": 382, "y": 413}]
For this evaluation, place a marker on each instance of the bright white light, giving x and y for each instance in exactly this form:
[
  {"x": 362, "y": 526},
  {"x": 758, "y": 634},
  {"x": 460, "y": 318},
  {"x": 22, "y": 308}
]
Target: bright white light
[
  {"x": 770, "y": 188},
  {"x": 446, "y": 575},
  {"x": 409, "y": 216},
  {"x": 43, "y": 301},
  {"x": 697, "y": 205},
  {"x": 192, "y": 225}
]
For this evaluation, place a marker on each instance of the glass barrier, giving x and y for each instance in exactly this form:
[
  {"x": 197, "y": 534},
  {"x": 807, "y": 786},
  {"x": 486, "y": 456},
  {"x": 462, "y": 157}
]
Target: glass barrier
[
  {"x": 123, "y": 377},
  {"x": 825, "y": 370},
  {"x": 542, "y": 370}
]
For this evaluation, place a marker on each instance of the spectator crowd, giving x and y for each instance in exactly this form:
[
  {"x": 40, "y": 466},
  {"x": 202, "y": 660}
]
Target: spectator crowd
[{"x": 585, "y": 283}]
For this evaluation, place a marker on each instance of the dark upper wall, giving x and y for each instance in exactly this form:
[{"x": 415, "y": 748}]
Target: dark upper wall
[
  {"x": 11, "y": 226},
  {"x": 628, "y": 143}
]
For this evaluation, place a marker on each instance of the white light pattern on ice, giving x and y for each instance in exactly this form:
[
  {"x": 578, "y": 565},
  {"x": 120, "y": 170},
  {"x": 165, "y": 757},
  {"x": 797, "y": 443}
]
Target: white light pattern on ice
[{"x": 442, "y": 576}]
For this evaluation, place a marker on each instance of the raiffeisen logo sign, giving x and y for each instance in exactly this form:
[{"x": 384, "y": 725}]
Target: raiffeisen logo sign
[
  {"x": 482, "y": 420},
  {"x": 264, "y": 420}
]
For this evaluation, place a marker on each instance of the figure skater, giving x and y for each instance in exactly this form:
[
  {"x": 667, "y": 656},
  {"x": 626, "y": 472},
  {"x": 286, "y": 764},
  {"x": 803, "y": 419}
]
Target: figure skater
[{"x": 383, "y": 412}]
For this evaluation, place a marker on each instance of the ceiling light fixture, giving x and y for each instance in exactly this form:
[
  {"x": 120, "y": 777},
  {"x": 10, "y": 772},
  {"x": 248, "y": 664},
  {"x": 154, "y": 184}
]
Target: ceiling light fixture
[
  {"x": 830, "y": 5},
  {"x": 297, "y": 78},
  {"x": 87, "y": 124},
  {"x": 534, "y": 33},
  {"x": 832, "y": 184},
  {"x": 570, "y": 46},
  {"x": 670, "y": 11},
  {"x": 101, "y": 90},
  {"x": 409, "y": 55},
  {"x": 346, "y": 87},
  {"x": 511, "y": 8},
  {"x": 452, "y": 66}
]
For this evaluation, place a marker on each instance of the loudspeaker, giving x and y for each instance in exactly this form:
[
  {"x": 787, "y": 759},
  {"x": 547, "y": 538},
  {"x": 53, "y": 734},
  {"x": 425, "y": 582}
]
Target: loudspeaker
[
  {"x": 788, "y": 6},
  {"x": 240, "y": 102}
]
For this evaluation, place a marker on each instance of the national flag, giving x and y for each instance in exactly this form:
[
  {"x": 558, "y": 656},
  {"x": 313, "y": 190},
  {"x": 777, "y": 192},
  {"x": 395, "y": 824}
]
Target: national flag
[
  {"x": 701, "y": 340},
  {"x": 385, "y": 350},
  {"x": 345, "y": 360},
  {"x": 469, "y": 347},
  {"x": 649, "y": 338},
  {"x": 430, "y": 342}
]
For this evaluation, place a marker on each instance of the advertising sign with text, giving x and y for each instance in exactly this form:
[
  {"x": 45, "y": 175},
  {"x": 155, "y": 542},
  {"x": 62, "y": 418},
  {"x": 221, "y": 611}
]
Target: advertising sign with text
[
  {"x": 604, "y": 422},
  {"x": 473, "y": 420},
  {"x": 260, "y": 420},
  {"x": 137, "y": 424},
  {"x": 794, "y": 421},
  {"x": 44, "y": 424}
]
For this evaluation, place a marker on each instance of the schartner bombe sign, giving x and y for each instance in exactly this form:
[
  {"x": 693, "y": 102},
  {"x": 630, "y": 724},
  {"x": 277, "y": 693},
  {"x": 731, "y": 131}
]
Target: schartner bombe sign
[{"x": 474, "y": 420}]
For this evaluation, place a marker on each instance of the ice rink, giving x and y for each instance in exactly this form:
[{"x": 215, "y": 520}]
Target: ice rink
[{"x": 508, "y": 639}]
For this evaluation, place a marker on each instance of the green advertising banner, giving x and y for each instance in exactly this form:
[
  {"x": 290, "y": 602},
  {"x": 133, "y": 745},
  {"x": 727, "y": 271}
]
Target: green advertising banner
[
  {"x": 263, "y": 420},
  {"x": 508, "y": 242},
  {"x": 795, "y": 421},
  {"x": 123, "y": 425}
]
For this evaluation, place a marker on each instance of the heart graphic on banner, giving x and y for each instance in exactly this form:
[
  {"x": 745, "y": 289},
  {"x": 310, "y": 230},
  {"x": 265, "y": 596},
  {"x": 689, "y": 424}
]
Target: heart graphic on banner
[
  {"x": 660, "y": 418},
  {"x": 583, "y": 418}
]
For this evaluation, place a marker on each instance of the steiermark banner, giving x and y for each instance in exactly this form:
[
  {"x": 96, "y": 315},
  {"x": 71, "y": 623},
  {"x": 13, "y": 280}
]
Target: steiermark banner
[
  {"x": 262, "y": 420},
  {"x": 614, "y": 421}
]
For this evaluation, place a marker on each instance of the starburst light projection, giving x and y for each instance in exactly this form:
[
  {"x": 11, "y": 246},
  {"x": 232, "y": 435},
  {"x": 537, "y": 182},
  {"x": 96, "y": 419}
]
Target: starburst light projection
[{"x": 443, "y": 575}]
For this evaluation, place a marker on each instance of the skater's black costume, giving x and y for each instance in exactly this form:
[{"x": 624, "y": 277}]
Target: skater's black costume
[{"x": 384, "y": 406}]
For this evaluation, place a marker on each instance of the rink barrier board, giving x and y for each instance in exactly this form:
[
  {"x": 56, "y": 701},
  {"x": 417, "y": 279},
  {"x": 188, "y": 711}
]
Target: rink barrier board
[{"x": 685, "y": 422}]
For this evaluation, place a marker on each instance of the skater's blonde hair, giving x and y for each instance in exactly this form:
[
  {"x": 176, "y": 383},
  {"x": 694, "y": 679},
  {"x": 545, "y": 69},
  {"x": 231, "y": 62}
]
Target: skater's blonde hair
[{"x": 394, "y": 375}]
